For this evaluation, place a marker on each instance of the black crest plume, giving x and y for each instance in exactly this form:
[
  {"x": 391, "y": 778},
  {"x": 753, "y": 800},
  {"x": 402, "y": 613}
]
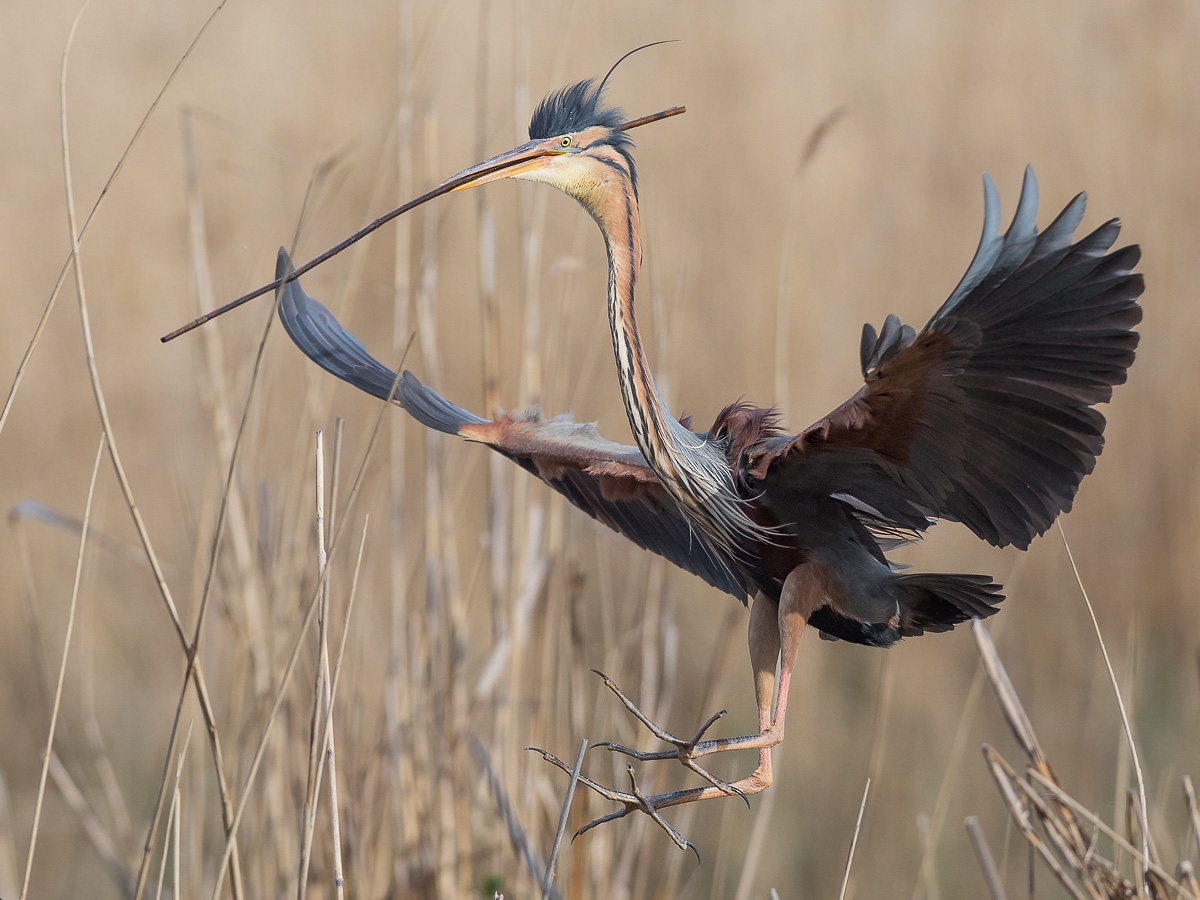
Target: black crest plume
[{"x": 578, "y": 106}]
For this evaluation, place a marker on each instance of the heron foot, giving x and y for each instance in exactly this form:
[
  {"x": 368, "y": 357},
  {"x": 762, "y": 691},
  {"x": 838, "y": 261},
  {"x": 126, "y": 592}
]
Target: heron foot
[
  {"x": 686, "y": 750},
  {"x": 632, "y": 800}
]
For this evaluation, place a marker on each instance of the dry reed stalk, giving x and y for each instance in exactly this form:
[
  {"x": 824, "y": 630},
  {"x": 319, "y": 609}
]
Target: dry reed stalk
[
  {"x": 313, "y": 785},
  {"x": 36, "y": 338},
  {"x": 402, "y": 672},
  {"x": 193, "y": 671},
  {"x": 1137, "y": 765},
  {"x": 97, "y": 751},
  {"x": 98, "y": 836},
  {"x": 854, "y": 841},
  {"x": 30, "y": 605},
  {"x": 8, "y": 842},
  {"x": 62, "y": 670},
  {"x": 516, "y": 832},
  {"x": 322, "y": 746},
  {"x": 173, "y": 815},
  {"x": 215, "y": 394},
  {"x": 310, "y": 610}
]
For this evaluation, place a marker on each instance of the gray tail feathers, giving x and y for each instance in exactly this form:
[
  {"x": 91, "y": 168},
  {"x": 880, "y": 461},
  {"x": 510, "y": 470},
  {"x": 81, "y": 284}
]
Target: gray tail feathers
[{"x": 937, "y": 602}]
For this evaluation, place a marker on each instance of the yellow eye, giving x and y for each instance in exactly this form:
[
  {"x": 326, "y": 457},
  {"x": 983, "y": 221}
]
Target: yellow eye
[{"x": 566, "y": 142}]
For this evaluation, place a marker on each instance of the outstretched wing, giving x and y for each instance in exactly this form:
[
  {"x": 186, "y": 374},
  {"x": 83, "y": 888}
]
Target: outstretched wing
[
  {"x": 611, "y": 482},
  {"x": 984, "y": 417}
]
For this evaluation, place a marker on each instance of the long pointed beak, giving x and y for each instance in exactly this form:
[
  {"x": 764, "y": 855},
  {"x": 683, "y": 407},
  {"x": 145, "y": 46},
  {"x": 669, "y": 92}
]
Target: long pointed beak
[
  {"x": 519, "y": 160},
  {"x": 524, "y": 158}
]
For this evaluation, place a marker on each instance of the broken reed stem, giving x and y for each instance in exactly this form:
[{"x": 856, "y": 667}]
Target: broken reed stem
[
  {"x": 562, "y": 820},
  {"x": 1189, "y": 796},
  {"x": 1063, "y": 797},
  {"x": 62, "y": 669},
  {"x": 987, "y": 863}
]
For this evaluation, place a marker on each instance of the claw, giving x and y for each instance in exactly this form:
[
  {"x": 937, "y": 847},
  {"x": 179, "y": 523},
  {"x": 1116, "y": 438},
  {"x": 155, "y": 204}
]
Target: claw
[{"x": 707, "y": 725}]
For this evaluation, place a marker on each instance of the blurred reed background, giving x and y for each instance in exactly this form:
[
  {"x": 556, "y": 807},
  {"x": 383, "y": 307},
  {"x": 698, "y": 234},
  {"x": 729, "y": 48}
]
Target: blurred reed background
[{"x": 482, "y": 600}]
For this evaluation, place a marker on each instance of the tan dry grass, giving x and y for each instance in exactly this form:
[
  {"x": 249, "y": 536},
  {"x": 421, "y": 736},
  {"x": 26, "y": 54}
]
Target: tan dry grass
[{"x": 467, "y": 557}]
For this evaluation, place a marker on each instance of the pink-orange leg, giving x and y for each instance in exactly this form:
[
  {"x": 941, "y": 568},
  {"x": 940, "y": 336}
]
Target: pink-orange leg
[{"x": 774, "y": 635}]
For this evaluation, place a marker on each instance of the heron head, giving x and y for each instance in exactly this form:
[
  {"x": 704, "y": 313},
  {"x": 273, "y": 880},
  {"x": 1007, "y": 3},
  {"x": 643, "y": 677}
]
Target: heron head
[{"x": 576, "y": 143}]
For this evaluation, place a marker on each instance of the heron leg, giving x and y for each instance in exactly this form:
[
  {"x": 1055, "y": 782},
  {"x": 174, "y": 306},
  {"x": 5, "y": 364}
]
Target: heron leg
[{"x": 774, "y": 636}]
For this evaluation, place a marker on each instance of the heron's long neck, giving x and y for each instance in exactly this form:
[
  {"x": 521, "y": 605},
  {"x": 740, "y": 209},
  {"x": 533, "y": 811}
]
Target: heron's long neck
[
  {"x": 691, "y": 469},
  {"x": 648, "y": 418}
]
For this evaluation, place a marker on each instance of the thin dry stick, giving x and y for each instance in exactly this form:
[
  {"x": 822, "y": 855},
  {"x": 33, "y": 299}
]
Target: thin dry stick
[
  {"x": 62, "y": 276},
  {"x": 127, "y": 491},
  {"x": 62, "y": 673},
  {"x": 991, "y": 875},
  {"x": 1137, "y": 765},
  {"x": 854, "y": 841},
  {"x": 562, "y": 820},
  {"x": 260, "y": 750}
]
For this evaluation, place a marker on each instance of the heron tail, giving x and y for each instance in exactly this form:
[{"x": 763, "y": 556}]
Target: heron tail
[{"x": 938, "y": 602}]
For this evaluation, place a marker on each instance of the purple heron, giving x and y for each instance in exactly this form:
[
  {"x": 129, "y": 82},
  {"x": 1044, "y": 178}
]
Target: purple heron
[{"x": 985, "y": 417}]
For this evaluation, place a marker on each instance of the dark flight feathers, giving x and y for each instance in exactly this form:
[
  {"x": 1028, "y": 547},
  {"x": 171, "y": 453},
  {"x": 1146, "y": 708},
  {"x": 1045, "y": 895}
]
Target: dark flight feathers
[
  {"x": 609, "y": 481},
  {"x": 985, "y": 416}
]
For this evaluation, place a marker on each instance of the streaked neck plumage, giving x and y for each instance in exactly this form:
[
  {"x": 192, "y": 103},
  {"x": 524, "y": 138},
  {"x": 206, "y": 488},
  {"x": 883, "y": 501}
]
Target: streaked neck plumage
[{"x": 694, "y": 471}]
